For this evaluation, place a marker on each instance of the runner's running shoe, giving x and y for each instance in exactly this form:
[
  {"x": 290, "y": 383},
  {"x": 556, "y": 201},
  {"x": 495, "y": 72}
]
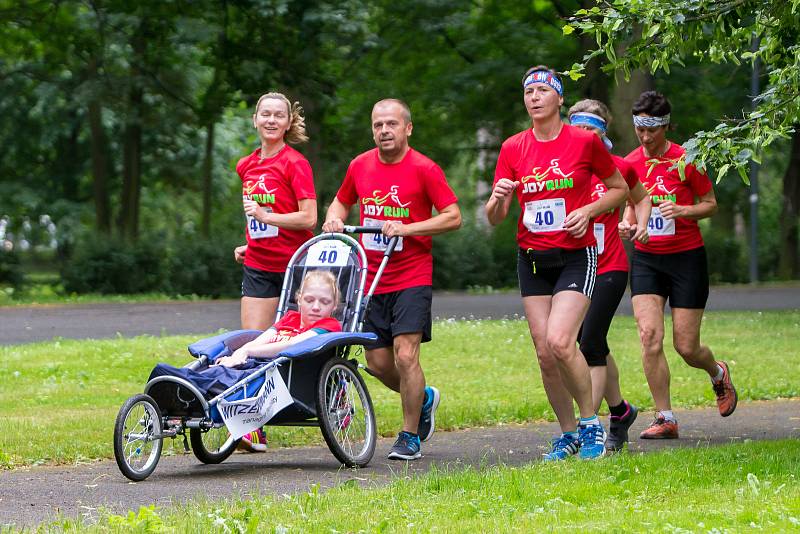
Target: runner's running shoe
[
  {"x": 618, "y": 429},
  {"x": 563, "y": 447},
  {"x": 660, "y": 428},
  {"x": 426, "y": 424},
  {"x": 593, "y": 441},
  {"x": 725, "y": 392},
  {"x": 406, "y": 447},
  {"x": 255, "y": 441}
]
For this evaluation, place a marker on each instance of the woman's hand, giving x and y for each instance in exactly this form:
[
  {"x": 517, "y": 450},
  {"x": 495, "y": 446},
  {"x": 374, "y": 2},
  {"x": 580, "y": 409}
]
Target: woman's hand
[
  {"x": 234, "y": 360},
  {"x": 577, "y": 222},
  {"x": 252, "y": 209}
]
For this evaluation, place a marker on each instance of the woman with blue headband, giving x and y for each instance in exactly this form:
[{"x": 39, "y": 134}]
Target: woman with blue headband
[
  {"x": 612, "y": 279},
  {"x": 549, "y": 169},
  {"x": 672, "y": 264}
]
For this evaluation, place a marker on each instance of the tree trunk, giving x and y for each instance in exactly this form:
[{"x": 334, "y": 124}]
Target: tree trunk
[
  {"x": 100, "y": 167},
  {"x": 621, "y": 130},
  {"x": 132, "y": 142},
  {"x": 788, "y": 266},
  {"x": 208, "y": 165}
]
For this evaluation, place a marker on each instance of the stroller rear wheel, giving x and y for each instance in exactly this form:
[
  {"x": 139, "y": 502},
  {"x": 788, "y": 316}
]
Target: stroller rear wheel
[
  {"x": 345, "y": 413},
  {"x": 137, "y": 437},
  {"x": 212, "y": 446}
]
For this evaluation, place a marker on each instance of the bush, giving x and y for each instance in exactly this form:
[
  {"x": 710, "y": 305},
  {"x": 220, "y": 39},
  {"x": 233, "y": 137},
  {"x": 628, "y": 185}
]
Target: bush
[
  {"x": 203, "y": 267},
  {"x": 103, "y": 264},
  {"x": 726, "y": 262},
  {"x": 10, "y": 270}
]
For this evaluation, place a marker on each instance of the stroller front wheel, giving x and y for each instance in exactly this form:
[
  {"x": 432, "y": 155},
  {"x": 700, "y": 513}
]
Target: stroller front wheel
[
  {"x": 345, "y": 413},
  {"x": 137, "y": 437}
]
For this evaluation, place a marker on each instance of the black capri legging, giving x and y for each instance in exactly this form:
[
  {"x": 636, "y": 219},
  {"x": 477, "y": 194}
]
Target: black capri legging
[{"x": 608, "y": 290}]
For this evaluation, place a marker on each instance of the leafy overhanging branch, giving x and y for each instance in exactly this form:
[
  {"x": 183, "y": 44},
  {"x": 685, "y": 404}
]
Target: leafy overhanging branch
[{"x": 659, "y": 33}]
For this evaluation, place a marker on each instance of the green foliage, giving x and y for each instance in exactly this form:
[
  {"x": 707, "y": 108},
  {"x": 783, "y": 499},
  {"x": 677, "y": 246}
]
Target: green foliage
[
  {"x": 183, "y": 265},
  {"x": 202, "y": 267},
  {"x": 10, "y": 272},
  {"x": 659, "y": 34},
  {"x": 725, "y": 259},
  {"x": 103, "y": 264}
]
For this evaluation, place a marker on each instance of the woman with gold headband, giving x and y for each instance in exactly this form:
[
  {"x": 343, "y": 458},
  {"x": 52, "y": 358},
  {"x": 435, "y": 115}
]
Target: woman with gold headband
[
  {"x": 672, "y": 265},
  {"x": 280, "y": 207},
  {"x": 549, "y": 169}
]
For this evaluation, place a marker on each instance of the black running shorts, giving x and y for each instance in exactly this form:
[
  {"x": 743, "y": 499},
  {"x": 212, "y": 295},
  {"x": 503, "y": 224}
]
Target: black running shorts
[
  {"x": 261, "y": 284},
  {"x": 574, "y": 272},
  {"x": 682, "y": 277},
  {"x": 400, "y": 312},
  {"x": 608, "y": 290}
]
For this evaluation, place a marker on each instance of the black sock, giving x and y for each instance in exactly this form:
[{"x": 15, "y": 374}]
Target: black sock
[{"x": 619, "y": 410}]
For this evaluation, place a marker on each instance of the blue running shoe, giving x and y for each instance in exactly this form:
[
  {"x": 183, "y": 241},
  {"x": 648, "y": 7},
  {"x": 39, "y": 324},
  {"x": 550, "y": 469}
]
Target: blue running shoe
[
  {"x": 426, "y": 424},
  {"x": 564, "y": 446},
  {"x": 406, "y": 447},
  {"x": 593, "y": 441}
]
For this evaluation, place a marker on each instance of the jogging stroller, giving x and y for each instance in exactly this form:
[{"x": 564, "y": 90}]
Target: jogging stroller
[{"x": 312, "y": 383}]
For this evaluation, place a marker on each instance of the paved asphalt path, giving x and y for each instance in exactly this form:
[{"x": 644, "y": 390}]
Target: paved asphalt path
[
  {"x": 41, "y": 323},
  {"x": 34, "y": 495}
]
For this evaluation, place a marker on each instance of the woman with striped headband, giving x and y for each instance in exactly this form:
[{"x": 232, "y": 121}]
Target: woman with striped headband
[
  {"x": 612, "y": 279},
  {"x": 672, "y": 264},
  {"x": 549, "y": 167}
]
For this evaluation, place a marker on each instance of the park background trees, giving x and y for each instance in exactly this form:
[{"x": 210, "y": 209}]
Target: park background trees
[{"x": 122, "y": 122}]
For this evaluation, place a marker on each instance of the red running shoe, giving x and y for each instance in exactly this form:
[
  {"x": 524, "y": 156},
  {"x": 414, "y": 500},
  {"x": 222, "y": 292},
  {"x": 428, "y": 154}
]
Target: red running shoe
[
  {"x": 660, "y": 428},
  {"x": 725, "y": 392}
]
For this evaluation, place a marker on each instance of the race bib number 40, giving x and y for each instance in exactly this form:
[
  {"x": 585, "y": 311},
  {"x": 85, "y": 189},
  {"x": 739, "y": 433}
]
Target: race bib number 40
[
  {"x": 259, "y": 230},
  {"x": 330, "y": 253},
  {"x": 658, "y": 225},
  {"x": 378, "y": 242},
  {"x": 545, "y": 215}
]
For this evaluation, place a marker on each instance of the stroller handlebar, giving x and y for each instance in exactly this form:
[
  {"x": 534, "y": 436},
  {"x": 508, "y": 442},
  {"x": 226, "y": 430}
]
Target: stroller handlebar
[{"x": 373, "y": 230}]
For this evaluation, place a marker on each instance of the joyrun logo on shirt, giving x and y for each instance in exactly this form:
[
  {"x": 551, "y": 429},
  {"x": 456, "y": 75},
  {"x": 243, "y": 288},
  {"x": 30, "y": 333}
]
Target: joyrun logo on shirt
[
  {"x": 374, "y": 205},
  {"x": 541, "y": 180},
  {"x": 250, "y": 188},
  {"x": 663, "y": 193}
]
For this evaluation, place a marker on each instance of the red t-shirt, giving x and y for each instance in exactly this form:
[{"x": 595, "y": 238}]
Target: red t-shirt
[
  {"x": 555, "y": 179},
  {"x": 289, "y": 327},
  {"x": 676, "y": 235},
  {"x": 610, "y": 252},
  {"x": 277, "y": 183},
  {"x": 406, "y": 191}
]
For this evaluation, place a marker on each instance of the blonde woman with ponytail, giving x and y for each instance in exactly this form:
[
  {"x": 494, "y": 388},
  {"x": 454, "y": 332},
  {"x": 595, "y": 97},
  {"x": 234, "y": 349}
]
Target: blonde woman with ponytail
[{"x": 279, "y": 203}]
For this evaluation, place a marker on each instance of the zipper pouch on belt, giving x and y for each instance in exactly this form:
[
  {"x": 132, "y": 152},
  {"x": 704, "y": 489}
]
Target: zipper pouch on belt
[{"x": 546, "y": 259}]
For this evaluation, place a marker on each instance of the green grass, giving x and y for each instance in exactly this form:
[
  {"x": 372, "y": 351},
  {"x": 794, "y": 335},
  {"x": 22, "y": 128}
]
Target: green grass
[
  {"x": 58, "y": 400},
  {"x": 54, "y": 294},
  {"x": 749, "y": 486}
]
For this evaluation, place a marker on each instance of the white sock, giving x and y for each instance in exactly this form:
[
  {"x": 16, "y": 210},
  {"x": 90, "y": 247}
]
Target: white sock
[
  {"x": 720, "y": 374},
  {"x": 668, "y": 415},
  {"x": 588, "y": 421}
]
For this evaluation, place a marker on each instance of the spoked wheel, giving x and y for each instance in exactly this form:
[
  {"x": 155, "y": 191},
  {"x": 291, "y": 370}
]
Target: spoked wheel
[
  {"x": 212, "y": 446},
  {"x": 345, "y": 413},
  {"x": 137, "y": 437}
]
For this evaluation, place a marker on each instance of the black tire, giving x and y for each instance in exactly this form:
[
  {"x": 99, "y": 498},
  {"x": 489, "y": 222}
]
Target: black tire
[
  {"x": 136, "y": 448},
  {"x": 212, "y": 446},
  {"x": 345, "y": 413}
]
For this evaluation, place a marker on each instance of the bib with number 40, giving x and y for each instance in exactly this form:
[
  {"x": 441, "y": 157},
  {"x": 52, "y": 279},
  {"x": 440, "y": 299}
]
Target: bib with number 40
[
  {"x": 259, "y": 230},
  {"x": 546, "y": 215},
  {"x": 378, "y": 242},
  {"x": 658, "y": 225}
]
